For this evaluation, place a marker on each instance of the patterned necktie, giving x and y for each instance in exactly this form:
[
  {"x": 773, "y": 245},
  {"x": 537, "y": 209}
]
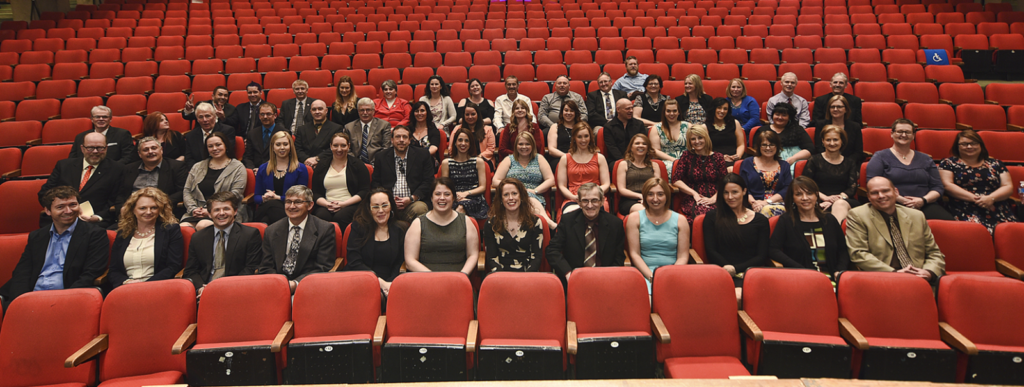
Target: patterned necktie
[
  {"x": 363, "y": 153},
  {"x": 85, "y": 177},
  {"x": 591, "y": 251},
  {"x": 608, "y": 106},
  {"x": 300, "y": 118},
  {"x": 897, "y": 241},
  {"x": 218, "y": 257},
  {"x": 293, "y": 252}
]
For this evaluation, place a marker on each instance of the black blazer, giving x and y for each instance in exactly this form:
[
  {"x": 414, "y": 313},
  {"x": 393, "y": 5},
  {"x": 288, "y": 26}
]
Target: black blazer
[
  {"x": 791, "y": 249},
  {"x": 316, "y": 250},
  {"x": 340, "y": 118},
  {"x": 171, "y": 181},
  {"x": 566, "y": 250},
  {"x": 230, "y": 116},
  {"x": 821, "y": 108},
  {"x": 256, "y": 152},
  {"x": 99, "y": 191},
  {"x": 365, "y": 258},
  {"x": 86, "y": 259},
  {"x": 595, "y": 107},
  {"x": 168, "y": 249},
  {"x": 617, "y": 135},
  {"x": 684, "y": 105},
  {"x": 242, "y": 255},
  {"x": 288, "y": 112},
  {"x": 419, "y": 171},
  {"x": 309, "y": 143},
  {"x": 195, "y": 149},
  {"x": 120, "y": 145},
  {"x": 244, "y": 113},
  {"x": 356, "y": 175}
]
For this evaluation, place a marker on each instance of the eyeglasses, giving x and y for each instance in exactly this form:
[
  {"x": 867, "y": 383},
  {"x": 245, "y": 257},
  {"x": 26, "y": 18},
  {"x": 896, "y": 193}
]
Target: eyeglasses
[
  {"x": 95, "y": 148},
  {"x": 384, "y": 207},
  {"x": 101, "y": 117},
  {"x": 968, "y": 144},
  {"x": 837, "y": 107},
  {"x": 904, "y": 133},
  {"x": 295, "y": 202},
  {"x": 590, "y": 202}
]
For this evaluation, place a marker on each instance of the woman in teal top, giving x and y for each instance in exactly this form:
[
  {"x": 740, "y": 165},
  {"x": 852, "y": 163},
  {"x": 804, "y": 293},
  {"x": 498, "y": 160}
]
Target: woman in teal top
[{"x": 657, "y": 236}]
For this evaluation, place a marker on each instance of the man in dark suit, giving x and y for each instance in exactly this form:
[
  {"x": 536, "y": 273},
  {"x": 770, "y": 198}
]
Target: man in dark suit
[
  {"x": 257, "y": 150},
  {"x": 407, "y": 172},
  {"x": 601, "y": 102},
  {"x": 209, "y": 259},
  {"x": 377, "y": 130},
  {"x": 120, "y": 145},
  {"x": 313, "y": 141},
  {"x": 821, "y": 113},
  {"x": 195, "y": 140},
  {"x": 296, "y": 107},
  {"x": 568, "y": 247},
  {"x": 620, "y": 129},
  {"x": 96, "y": 177},
  {"x": 225, "y": 112},
  {"x": 301, "y": 244},
  {"x": 249, "y": 112},
  {"x": 67, "y": 254},
  {"x": 153, "y": 170}
]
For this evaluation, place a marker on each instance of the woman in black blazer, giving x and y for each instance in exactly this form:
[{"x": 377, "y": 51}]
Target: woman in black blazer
[
  {"x": 376, "y": 241},
  {"x": 694, "y": 94},
  {"x": 825, "y": 250},
  {"x": 149, "y": 245},
  {"x": 339, "y": 185}
]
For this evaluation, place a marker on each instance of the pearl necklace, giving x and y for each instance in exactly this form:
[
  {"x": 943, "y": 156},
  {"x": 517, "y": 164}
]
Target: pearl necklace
[{"x": 146, "y": 234}]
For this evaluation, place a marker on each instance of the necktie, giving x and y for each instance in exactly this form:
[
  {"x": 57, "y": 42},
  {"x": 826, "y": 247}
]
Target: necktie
[
  {"x": 85, "y": 177},
  {"x": 218, "y": 257},
  {"x": 608, "y": 106},
  {"x": 897, "y": 241},
  {"x": 293, "y": 252},
  {"x": 363, "y": 153},
  {"x": 266, "y": 136},
  {"x": 253, "y": 116},
  {"x": 300, "y": 118},
  {"x": 591, "y": 251}
]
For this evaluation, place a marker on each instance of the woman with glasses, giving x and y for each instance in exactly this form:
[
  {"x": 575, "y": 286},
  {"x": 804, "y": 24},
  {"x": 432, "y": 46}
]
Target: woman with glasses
[
  {"x": 217, "y": 173},
  {"x": 835, "y": 174},
  {"x": 794, "y": 143},
  {"x": 839, "y": 116},
  {"x": 978, "y": 186},
  {"x": 172, "y": 141},
  {"x": 376, "y": 243},
  {"x": 767, "y": 175},
  {"x": 442, "y": 239},
  {"x": 513, "y": 236},
  {"x": 275, "y": 176},
  {"x": 656, "y": 235},
  {"x": 390, "y": 107},
  {"x": 485, "y": 108},
  {"x": 649, "y": 105},
  {"x": 697, "y": 173},
  {"x": 912, "y": 173},
  {"x": 340, "y": 185}
]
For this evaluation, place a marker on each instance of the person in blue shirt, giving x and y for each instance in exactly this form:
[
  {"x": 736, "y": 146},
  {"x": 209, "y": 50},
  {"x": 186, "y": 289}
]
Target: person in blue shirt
[
  {"x": 745, "y": 108},
  {"x": 67, "y": 254}
]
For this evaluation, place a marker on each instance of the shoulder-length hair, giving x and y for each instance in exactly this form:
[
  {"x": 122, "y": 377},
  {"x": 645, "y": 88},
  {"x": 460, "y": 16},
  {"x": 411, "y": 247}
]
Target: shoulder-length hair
[
  {"x": 698, "y": 86},
  {"x": 499, "y": 215},
  {"x": 151, "y": 125},
  {"x": 341, "y": 103},
  {"x": 474, "y": 146},
  {"x": 477, "y": 129},
  {"x": 647, "y": 156},
  {"x": 529, "y": 113},
  {"x": 725, "y": 219},
  {"x": 969, "y": 134},
  {"x": 128, "y": 224},
  {"x": 529, "y": 139},
  {"x": 837, "y": 130},
  {"x": 293, "y": 160},
  {"x": 846, "y": 106},
  {"x": 444, "y": 86},
  {"x": 572, "y": 105},
  {"x": 702, "y": 131},
  {"x": 657, "y": 182},
  {"x": 364, "y": 216},
  {"x": 429, "y": 118},
  {"x": 728, "y": 89},
  {"x": 770, "y": 136},
  {"x": 711, "y": 116},
  {"x": 581, "y": 126},
  {"x": 805, "y": 184},
  {"x": 223, "y": 138}
]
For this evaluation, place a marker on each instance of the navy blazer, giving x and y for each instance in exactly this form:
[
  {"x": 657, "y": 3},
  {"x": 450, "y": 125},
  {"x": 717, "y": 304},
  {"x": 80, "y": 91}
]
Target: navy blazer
[
  {"x": 168, "y": 248},
  {"x": 300, "y": 176},
  {"x": 85, "y": 260},
  {"x": 755, "y": 186}
]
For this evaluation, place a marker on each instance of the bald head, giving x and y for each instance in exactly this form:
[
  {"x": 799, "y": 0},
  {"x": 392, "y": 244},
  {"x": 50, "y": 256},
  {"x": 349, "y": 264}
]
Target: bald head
[
  {"x": 94, "y": 148},
  {"x": 624, "y": 109},
  {"x": 882, "y": 194},
  {"x": 318, "y": 109}
]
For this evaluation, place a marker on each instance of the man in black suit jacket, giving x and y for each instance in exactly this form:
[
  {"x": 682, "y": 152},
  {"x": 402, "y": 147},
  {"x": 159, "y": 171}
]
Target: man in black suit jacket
[
  {"x": 85, "y": 252},
  {"x": 567, "y": 250},
  {"x": 257, "y": 149},
  {"x": 415, "y": 166},
  {"x": 313, "y": 141},
  {"x": 248, "y": 113},
  {"x": 620, "y": 129},
  {"x": 316, "y": 250},
  {"x": 821, "y": 110},
  {"x": 120, "y": 145},
  {"x": 290, "y": 107},
  {"x": 242, "y": 253},
  {"x": 225, "y": 112},
  {"x": 195, "y": 140},
  {"x": 170, "y": 174},
  {"x": 597, "y": 107},
  {"x": 101, "y": 185}
]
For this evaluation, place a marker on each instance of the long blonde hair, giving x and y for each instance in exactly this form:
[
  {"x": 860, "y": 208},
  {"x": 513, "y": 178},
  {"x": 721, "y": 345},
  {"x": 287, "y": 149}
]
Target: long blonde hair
[
  {"x": 127, "y": 225},
  {"x": 293, "y": 160}
]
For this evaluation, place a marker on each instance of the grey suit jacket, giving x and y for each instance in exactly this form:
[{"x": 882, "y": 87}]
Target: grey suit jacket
[
  {"x": 380, "y": 137},
  {"x": 870, "y": 244},
  {"x": 316, "y": 249}
]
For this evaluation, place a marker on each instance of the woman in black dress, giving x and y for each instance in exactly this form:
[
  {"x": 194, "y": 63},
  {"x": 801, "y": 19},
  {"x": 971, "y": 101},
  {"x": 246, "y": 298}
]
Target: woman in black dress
[
  {"x": 834, "y": 173},
  {"x": 376, "y": 242},
  {"x": 735, "y": 237}
]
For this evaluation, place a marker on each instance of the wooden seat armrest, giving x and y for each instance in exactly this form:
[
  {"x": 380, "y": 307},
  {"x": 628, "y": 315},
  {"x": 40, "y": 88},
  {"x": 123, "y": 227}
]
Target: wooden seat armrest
[
  {"x": 1008, "y": 269},
  {"x": 901, "y": 101},
  {"x": 627, "y": 262},
  {"x": 962, "y": 126},
  {"x": 380, "y": 330},
  {"x": 749, "y": 327},
  {"x": 12, "y": 174},
  {"x": 659, "y": 329},
  {"x": 931, "y": 80},
  {"x": 481, "y": 262},
  {"x": 403, "y": 269},
  {"x": 570, "y": 337},
  {"x": 991, "y": 102},
  {"x": 695, "y": 257},
  {"x": 283, "y": 336},
  {"x": 101, "y": 279},
  {"x": 93, "y": 348},
  {"x": 247, "y": 199},
  {"x": 474, "y": 327},
  {"x": 187, "y": 338},
  {"x": 1015, "y": 199},
  {"x": 33, "y": 142},
  {"x": 776, "y": 264},
  {"x": 852, "y": 335},
  {"x": 1014, "y": 128},
  {"x": 180, "y": 273},
  {"x": 337, "y": 264},
  {"x": 946, "y": 101},
  {"x": 862, "y": 192},
  {"x": 956, "y": 340}
]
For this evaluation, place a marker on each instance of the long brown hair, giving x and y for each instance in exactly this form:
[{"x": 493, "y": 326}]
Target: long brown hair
[
  {"x": 364, "y": 216},
  {"x": 342, "y": 103},
  {"x": 151, "y": 125},
  {"x": 647, "y": 156},
  {"x": 592, "y": 146},
  {"x": 803, "y": 183},
  {"x": 127, "y": 225},
  {"x": 474, "y": 145},
  {"x": 499, "y": 216}
]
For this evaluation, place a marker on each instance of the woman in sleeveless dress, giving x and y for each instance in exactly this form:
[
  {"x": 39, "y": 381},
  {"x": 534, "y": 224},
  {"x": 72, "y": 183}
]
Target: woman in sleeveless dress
[
  {"x": 527, "y": 166},
  {"x": 442, "y": 239},
  {"x": 469, "y": 173},
  {"x": 668, "y": 137},
  {"x": 583, "y": 164},
  {"x": 656, "y": 235},
  {"x": 632, "y": 172}
]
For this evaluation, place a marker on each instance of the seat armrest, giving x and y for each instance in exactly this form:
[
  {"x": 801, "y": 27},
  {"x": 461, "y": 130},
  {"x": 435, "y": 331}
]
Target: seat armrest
[
  {"x": 570, "y": 337},
  {"x": 380, "y": 330},
  {"x": 749, "y": 327},
  {"x": 180, "y": 273},
  {"x": 694, "y": 257},
  {"x": 1008, "y": 269},
  {"x": 956, "y": 340},
  {"x": 12, "y": 174},
  {"x": 248, "y": 199},
  {"x": 481, "y": 262},
  {"x": 660, "y": 331},
  {"x": 627, "y": 262},
  {"x": 101, "y": 279},
  {"x": 474, "y": 326},
  {"x": 1014, "y": 128},
  {"x": 93, "y": 348},
  {"x": 187, "y": 338},
  {"x": 852, "y": 335},
  {"x": 337, "y": 264},
  {"x": 283, "y": 336},
  {"x": 776, "y": 264}
]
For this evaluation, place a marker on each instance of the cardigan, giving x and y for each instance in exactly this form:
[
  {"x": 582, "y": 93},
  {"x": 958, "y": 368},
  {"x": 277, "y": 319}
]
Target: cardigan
[
  {"x": 233, "y": 179},
  {"x": 300, "y": 176},
  {"x": 791, "y": 249},
  {"x": 356, "y": 176},
  {"x": 756, "y": 188}
]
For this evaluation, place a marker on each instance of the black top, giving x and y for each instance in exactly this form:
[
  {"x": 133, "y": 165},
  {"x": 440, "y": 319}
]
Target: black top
[
  {"x": 279, "y": 185},
  {"x": 833, "y": 179},
  {"x": 433, "y": 137},
  {"x": 651, "y": 112},
  {"x": 484, "y": 110},
  {"x": 854, "y": 140},
  {"x": 206, "y": 186},
  {"x": 723, "y": 141},
  {"x": 792, "y": 135},
  {"x": 564, "y": 139},
  {"x": 617, "y": 135},
  {"x": 176, "y": 150},
  {"x": 684, "y": 105},
  {"x": 749, "y": 248},
  {"x": 790, "y": 246},
  {"x": 344, "y": 118},
  {"x": 384, "y": 258}
]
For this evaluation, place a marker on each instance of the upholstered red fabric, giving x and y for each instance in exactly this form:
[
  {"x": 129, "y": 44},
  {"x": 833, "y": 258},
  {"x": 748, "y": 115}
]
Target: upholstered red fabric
[
  {"x": 41, "y": 330},
  {"x": 966, "y": 245},
  {"x": 1007, "y": 243},
  {"x": 698, "y": 305},
  {"x": 608, "y": 302},
  {"x": 791, "y": 301},
  {"x": 534, "y": 316},
  {"x": 156, "y": 379},
  {"x": 802, "y": 338},
  {"x": 242, "y": 309},
  {"x": 334, "y": 304},
  {"x": 711, "y": 367},
  {"x": 430, "y": 305},
  {"x": 988, "y": 311},
  {"x": 888, "y": 305}
]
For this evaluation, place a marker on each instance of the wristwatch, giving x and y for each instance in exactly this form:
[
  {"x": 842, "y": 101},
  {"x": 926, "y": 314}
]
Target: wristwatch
[{"x": 843, "y": 195}]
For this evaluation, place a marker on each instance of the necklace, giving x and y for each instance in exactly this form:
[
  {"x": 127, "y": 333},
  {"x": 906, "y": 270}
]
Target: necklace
[
  {"x": 720, "y": 127},
  {"x": 902, "y": 156},
  {"x": 141, "y": 234},
  {"x": 743, "y": 218}
]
